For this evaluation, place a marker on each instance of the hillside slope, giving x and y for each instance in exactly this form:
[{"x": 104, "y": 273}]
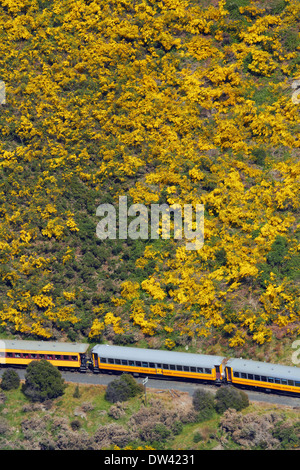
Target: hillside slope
[{"x": 182, "y": 101}]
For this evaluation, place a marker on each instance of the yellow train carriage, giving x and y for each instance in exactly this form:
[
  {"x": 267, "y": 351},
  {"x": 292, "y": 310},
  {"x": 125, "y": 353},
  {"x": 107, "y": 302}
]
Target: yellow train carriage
[
  {"x": 263, "y": 375},
  {"x": 151, "y": 362},
  {"x": 18, "y": 353}
]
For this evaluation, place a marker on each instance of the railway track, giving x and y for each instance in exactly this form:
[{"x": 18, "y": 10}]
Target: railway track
[{"x": 173, "y": 386}]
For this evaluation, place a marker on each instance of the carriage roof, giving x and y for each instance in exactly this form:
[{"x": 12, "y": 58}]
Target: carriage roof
[
  {"x": 264, "y": 368},
  {"x": 156, "y": 356},
  {"x": 50, "y": 346}
]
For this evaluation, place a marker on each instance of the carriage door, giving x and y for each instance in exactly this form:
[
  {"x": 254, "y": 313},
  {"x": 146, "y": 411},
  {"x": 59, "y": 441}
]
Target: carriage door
[
  {"x": 95, "y": 362},
  {"x": 83, "y": 363},
  {"x": 228, "y": 374},
  {"x": 218, "y": 374}
]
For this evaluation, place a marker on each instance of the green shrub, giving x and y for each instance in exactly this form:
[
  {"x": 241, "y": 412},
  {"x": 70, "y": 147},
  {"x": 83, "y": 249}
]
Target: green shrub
[
  {"x": 76, "y": 393},
  {"x": 10, "y": 380},
  {"x": 75, "y": 425},
  {"x": 279, "y": 250},
  {"x": 122, "y": 388},
  {"x": 177, "y": 427},
  {"x": 197, "y": 437},
  {"x": 230, "y": 397},
  {"x": 43, "y": 381},
  {"x": 221, "y": 257},
  {"x": 260, "y": 155},
  {"x": 161, "y": 432},
  {"x": 203, "y": 402},
  {"x": 288, "y": 435}
]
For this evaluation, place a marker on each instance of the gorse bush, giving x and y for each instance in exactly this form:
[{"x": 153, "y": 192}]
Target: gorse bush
[{"x": 175, "y": 102}]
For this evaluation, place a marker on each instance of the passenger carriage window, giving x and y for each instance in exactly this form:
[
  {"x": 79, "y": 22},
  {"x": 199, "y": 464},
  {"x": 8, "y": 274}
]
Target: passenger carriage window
[
  {"x": 124, "y": 362},
  {"x": 297, "y": 384},
  {"x": 263, "y": 378},
  {"x": 151, "y": 364},
  {"x": 257, "y": 377},
  {"x": 158, "y": 366},
  {"x": 186, "y": 368},
  {"x": 144, "y": 364},
  {"x": 179, "y": 367},
  {"x": 9, "y": 354},
  {"x": 277, "y": 381},
  {"x": 48, "y": 357},
  {"x": 290, "y": 382},
  {"x": 103, "y": 359},
  {"x": 74, "y": 358},
  {"x": 165, "y": 366},
  {"x": 284, "y": 381},
  {"x": 111, "y": 360},
  {"x": 200, "y": 370},
  {"x": 236, "y": 374},
  {"x": 117, "y": 361},
  {"x": 207, "y": 371},
  {"x": 193, "y": 369},
  {"x": 172, "y": 366},
  {"x": 131, "y": 363},
  {"x": 250, "y": 376},
  {"x": 243, "y": 375},
  {"x": 57, "y": 358},
  {"x": 271, "y": 380},
  {"x": 138, "y": 363}
]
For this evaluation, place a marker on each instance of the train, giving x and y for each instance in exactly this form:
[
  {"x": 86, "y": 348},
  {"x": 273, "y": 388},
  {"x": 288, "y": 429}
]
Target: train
[{"x": 154, "y": 363}]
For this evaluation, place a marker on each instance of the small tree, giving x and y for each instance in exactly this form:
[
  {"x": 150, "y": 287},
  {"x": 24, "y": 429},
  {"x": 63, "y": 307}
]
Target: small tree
[
  {"x": 204, "y": 403},
  {"x": 10, "y": 380},
  {"x": 76, "y": 393},
  {"x": 43, "y": 381},
  {"x": 123, "y": 388},
  {"x": 230, "y": 397}
]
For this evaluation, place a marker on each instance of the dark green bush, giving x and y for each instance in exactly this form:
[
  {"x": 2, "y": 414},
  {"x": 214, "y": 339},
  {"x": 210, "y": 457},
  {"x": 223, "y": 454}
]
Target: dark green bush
[
  {"x": 260, "y": 155},
  {"x": 10, "y": 380},
  {"x": 221, "y": 257},
  {"x": 204, "y": 404},
  {"x": 75, "y": 425},
  {"x": 76, "y": 393},
  {"x": 279, "y": 250},
  {"x": 230, "y": 397},
  {"x": 124, "y": 339},
  {"x": 177, "y": 427},
  {"x": 197, "y": 437},
  {"x": 43, "y": 381},
  {"x": 287, "y": 434},
  {"x": 122, "y": 388}
]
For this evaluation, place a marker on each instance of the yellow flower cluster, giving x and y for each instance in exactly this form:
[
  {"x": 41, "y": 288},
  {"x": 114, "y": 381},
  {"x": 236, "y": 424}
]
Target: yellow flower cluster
[{"x": 176, "y": 102}]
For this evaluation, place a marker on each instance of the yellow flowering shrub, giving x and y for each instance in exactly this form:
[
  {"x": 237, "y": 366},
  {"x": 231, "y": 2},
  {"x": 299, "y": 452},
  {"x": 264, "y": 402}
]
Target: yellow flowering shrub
[{"x": 174, "y": 102}]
